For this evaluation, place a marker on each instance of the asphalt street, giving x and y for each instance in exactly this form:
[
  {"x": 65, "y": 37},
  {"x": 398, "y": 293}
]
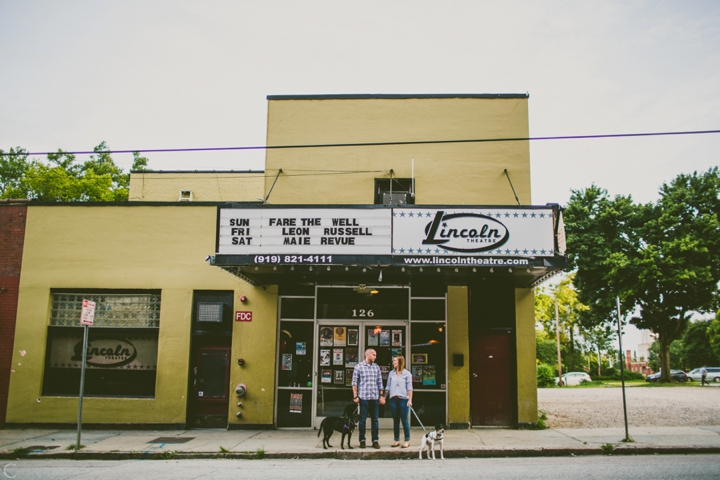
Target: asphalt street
[{"x": 653, "y": 467}]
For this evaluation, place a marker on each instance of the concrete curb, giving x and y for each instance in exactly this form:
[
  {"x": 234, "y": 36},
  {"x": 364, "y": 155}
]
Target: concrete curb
[{"x": 363, "y": 455}]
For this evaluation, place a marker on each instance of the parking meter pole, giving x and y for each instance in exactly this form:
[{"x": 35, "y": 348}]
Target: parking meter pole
[
  {"x": 622, "y": 368},
  {"x": 82, "y": 386}
]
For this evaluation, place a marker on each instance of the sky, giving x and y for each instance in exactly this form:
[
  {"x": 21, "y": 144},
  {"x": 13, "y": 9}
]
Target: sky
[
  {"x": 186, "y": 74},
  {"x": 183, "y": 74}
]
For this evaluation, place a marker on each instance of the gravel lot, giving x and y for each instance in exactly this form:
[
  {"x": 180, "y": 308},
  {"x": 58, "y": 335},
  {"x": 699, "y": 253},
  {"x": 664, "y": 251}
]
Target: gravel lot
[{"x": 646, "y": 406}]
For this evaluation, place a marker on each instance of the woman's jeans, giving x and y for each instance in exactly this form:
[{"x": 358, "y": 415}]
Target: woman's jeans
[{"x": 400, "y": 412}]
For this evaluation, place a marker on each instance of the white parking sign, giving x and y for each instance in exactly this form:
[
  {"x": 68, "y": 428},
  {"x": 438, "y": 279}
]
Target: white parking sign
[{"x": 88, "y": 313}]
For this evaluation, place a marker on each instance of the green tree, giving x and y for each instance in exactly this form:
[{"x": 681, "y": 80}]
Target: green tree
[
  {"x": 654, "y": 360},
  {"x": 599, "y": 339},
  {"x": 696, "y": 350},
  {"x": 569, "y": 309},
  {"x": 12, "y": 168},
  {"x": 545, "y": 348},
  {"x": 662, "y": 258},
  {"x": 61, "y": 179},
  {"x": 713, "y": 333}
]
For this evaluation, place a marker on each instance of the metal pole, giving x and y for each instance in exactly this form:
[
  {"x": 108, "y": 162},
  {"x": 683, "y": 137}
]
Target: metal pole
[
  {"x": 557, "y": 336},
  {"x": 622, "y": 368},
  {"x": 82, "y": 386}
]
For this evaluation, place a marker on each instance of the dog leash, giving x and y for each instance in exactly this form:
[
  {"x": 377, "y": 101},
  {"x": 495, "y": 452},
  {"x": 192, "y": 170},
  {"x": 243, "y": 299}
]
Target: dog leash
[{"x": 418, "y": 419}]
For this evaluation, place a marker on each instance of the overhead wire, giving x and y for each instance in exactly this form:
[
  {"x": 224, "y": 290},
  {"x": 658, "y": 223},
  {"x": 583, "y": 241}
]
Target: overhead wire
[{"x": 378, "y": 144}]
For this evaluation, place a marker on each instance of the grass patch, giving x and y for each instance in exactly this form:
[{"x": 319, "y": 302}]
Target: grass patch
[
  {"x": 260, "y": 453},
  {"x": 73, "y": 446},
  {"x": 608, "y": 448},
  {"x": 168, "y": 455},
  {"x": 224, "y": 450},
  {"x": 541, "y": 425},
  {"x": 20, "y": 452},
  {"x": 594, "y": 383}
]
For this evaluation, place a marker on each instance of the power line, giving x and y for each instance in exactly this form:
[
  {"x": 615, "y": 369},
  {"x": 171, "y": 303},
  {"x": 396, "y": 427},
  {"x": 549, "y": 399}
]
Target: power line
[{"x": 380, "y": 144}]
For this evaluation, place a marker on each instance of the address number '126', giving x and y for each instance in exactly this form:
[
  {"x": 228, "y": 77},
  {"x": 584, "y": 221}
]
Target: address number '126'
[{"x": 363, "y": 313}]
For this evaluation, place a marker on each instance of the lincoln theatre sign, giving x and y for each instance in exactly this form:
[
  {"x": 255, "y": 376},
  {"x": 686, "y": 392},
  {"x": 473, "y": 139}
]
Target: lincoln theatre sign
[{"x": 410, "y": 236}]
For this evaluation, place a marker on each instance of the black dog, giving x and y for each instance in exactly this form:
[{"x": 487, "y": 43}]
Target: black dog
[{"x": 344, "y": 425}]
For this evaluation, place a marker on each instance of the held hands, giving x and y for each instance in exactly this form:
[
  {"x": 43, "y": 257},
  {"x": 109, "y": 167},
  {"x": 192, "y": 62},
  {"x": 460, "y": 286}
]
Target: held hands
[
  {"x": 382, "y": 400},
  {"x": 356, "y": 400}
]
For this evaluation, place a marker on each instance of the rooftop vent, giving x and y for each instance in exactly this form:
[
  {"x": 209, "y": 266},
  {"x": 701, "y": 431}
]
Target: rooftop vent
[{"x": 185, "y": 196}]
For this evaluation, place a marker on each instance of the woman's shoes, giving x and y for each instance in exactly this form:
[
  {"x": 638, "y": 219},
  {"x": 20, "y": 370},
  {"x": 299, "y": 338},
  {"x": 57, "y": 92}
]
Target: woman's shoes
[
  {"x": 406, "y": 445},
  {"x": 396, "y": 444}
]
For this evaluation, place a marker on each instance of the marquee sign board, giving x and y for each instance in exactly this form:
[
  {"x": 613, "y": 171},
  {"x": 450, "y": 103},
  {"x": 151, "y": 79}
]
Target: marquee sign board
[
  {"x": 311, "y": 231},
  {"x": 402, "y": 235}
]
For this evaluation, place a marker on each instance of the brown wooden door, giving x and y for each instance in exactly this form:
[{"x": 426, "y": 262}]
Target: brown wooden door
[
  {"x": 210, "y": 388},
  {"x": 492, "y": 379}
]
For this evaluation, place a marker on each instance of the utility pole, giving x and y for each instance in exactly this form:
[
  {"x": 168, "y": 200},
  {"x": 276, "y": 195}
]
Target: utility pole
[{"x": 557, "y": 336}]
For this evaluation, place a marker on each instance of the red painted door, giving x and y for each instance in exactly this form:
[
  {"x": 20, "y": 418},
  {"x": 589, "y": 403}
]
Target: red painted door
[
  {"x": 492, "y": 379},
  {"x": 211, "y": 374}
]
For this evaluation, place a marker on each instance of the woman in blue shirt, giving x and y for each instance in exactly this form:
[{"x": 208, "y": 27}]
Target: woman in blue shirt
[{"x": 400, "y": 390}]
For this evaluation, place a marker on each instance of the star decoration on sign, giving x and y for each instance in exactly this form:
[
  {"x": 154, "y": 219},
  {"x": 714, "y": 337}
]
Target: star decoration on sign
[
  {"x": 524, "y": 215},
  {"x": 516, "y": 215},
  {"x": 402, "y": 214},
  {"x": 411, "y": 214},
  {"x": 533, "y": 215},
  {"x": 428, "y": 215},
  {"x": 507, "y": 215}
]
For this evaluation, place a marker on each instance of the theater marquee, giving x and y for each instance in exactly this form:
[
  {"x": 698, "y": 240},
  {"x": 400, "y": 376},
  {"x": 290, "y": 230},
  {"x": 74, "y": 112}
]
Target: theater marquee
[{"x": 404, "y": 235}]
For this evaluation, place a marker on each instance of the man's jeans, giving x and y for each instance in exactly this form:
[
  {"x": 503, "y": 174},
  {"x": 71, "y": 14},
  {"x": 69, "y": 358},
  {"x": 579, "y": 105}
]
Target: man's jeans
[{"x": 372, "y": 407}]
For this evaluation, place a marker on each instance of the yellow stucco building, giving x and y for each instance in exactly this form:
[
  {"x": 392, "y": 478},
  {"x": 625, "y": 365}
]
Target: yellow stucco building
[{"x": 244, "y": 299}]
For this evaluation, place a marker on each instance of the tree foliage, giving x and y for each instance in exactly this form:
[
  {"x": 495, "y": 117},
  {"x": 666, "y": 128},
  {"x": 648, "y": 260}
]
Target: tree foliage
[
  {"x": 62, "y": 179},
  {"x": 663, "y": 258},
  {"x": 545, "y": 348},
  {"x": 713, "y": 334},
  {"x": 695, "y": 350},
  {"x": 569, "y": 309}
]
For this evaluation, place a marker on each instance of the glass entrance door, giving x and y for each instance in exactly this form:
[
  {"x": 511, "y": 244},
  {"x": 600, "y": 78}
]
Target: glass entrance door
[
  {"x": 350, "y": 320},
  {"x": 341, "y": 347}
]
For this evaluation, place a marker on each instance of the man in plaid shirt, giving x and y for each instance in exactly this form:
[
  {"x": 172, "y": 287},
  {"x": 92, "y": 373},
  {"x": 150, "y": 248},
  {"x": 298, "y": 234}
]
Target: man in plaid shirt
[{"x": 367, "y": 388}]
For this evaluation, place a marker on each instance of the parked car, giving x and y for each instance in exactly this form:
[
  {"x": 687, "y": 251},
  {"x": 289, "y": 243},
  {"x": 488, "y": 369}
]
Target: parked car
[
  {"x": 574, "y": 378},
  {"x": 677, "y": 376},
  {"x": 713, "y": 374}
]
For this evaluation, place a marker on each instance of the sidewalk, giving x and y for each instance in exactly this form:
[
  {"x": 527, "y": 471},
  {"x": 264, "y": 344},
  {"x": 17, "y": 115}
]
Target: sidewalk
[{"x": 253, "y": 444}]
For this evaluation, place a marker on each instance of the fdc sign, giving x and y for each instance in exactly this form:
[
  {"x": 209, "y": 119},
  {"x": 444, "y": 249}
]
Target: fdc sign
[{"x": 243, "y": 316}]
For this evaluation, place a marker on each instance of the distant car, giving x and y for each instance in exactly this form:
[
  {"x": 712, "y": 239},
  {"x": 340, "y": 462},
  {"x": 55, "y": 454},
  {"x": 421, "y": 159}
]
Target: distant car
[
  {"x": 713, "y": 374},
  {"x": 574, "y": 378},
  {"x": 677, "y": 376}
]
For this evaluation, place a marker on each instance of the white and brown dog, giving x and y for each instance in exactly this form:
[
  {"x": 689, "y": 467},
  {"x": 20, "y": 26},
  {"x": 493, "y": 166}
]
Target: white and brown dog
[{"x": 430, "y": 439}]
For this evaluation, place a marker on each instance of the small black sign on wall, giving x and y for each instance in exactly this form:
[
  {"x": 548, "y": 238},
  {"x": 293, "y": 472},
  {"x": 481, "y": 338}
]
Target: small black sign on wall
[{"x": 458, "y": 360}]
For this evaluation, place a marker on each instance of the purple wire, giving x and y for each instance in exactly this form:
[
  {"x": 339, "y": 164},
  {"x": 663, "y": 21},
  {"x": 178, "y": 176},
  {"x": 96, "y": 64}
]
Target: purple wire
[{"x": 375, "y": 144}]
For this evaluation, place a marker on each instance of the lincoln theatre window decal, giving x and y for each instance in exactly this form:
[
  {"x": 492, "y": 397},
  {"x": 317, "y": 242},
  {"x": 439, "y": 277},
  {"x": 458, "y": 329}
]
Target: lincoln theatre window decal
[{"x": 122, "y": 345}]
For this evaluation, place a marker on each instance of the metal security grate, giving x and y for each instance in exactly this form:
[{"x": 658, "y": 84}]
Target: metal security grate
[
  {"x": 210, "y": 312},
  {"x": 111, "y": 310},
  {"x": 171, "y": 440}
]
